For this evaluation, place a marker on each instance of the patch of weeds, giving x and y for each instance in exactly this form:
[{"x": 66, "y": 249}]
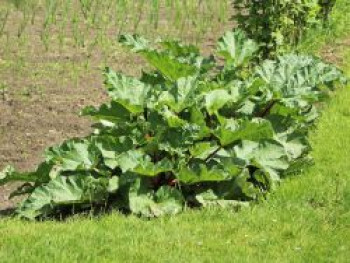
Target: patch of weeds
[{"x": 3, "y": 91}]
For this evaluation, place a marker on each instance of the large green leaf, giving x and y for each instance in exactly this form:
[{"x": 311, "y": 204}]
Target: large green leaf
[
  {"x": 233, "y": 130},
  {"x": 189, "y": 54},
  {"x": 181, "y": 95},
  {"x": 199, "y": 172},
  {"x": 127, "y": 161},
  {"x": 202, "y": 150},
  {"x": 214, "y": 169},
  {"x": 148, "y": 168},
  {"x": 78, "y": 189},
  {"x": 298, "y": 80},
  {"x": 135, "y": 42},
  {"x": 180, "y": 50},
  {"x": 129, "y": 92},
  {"x": 145, "y": 202},
  {"x": 140, "y": 163},
  {"x": 184, "y": 93},
  {"x": 9, "y": 174},
  {"x": 73, "y": 155},
  {"x": 170, "y": 67},
  {"x": 240, "y": 187},
  {"x": 236, "y": 48},
  {"x": 268, "y": 155},
  {"x": 111, "y": 147},
  {"x": 295, "y": 145},
  {"x": 175, "y": 62},
  {"x": 178, "y": 140},
  {"x": 216, "y": 99},
  {"x": 172, "y": 119},
  {"x": 108, "y": 114},
  {"x": 170, "y": 201},
  {"x": 227, "y": 193}
]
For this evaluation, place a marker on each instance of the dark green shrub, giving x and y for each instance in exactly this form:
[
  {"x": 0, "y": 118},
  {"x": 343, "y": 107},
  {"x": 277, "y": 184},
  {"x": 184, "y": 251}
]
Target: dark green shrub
[{"x": 278, "y": 25}]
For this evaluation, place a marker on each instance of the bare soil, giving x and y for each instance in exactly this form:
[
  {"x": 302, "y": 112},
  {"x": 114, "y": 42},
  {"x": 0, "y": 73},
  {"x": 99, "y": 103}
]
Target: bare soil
[
  {"x": 45, "y": 92},
  {"x": 333, "y": 53}
]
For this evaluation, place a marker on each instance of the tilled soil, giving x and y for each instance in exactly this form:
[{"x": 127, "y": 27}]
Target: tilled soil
[
  {"x": 40, "y": 107},
  {"x": 27, "y": 127}
]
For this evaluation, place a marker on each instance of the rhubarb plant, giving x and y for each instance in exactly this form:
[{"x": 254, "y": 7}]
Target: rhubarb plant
[{"x": 195, "y": 131}]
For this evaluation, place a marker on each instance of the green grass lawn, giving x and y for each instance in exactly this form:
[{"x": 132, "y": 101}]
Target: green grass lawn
[{"x": 306, "y": 220}]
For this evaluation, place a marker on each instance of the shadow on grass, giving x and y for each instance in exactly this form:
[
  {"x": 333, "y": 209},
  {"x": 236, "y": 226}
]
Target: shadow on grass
[
  {"x": 7, "y": 212},
  {"x": 68, "y": 212}
]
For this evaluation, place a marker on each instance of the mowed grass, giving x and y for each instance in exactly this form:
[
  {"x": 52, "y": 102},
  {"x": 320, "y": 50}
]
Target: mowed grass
[{"x": 306, "y": 220}]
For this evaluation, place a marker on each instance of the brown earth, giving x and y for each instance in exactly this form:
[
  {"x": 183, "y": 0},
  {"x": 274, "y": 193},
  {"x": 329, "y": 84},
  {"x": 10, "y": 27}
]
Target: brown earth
[
  {"x": 45, "y": 92},
  {"x": 333, "y": 53}
]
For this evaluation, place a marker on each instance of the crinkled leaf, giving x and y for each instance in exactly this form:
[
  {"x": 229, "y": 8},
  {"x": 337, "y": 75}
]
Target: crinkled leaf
[
  {"x": 236, "y": 48},
  {"x": 171, "y": 118},
  {"x": 189, "y": 54},
  {"x": 170, "y": 200},
  {"x": 199, "y": 172},
  {"x": 209, "y": 198},
  {"x": 141, "y": 198},
  {"x": 268, "y": 155},
  {"x": 247, "y": 108},
  {"x": 127, "y": 161},
  {"x": 178, "y": 49},
  {"x": 203, "y": 150},
  {"x": 144, "y": 202},
  {"x": 40, "y": 175},
  {"x": 239, "y": 187},
  {"x": 140, "y": 163},
  {"x": 299, "y": 80},
  {"x": 111, "y": 147},
  {"x": 295, "y": 145},
  {"x": 153, "y": 78},
  {"x": 180, "y": 96},
  {"x": 177, "y": 140},
  {"x": 233, "y": 130},
  {"x": 63, "y": 191},
  {"x": 170, "y": 67},
  {"x": 108, "y": 114},
  {"x": 197, "y": 116},
  {"x": 264, "y": 180},
  {"x": 206, "y": 171},
  {"x": 73, "y": 155},
  {"x": 174, "y": 61},
  {"x": 148, "y": 168},
  {"x": 127, "y": 91},
  {"x": 216, "y": 99},
  {"x": 135, "y": 42}
]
